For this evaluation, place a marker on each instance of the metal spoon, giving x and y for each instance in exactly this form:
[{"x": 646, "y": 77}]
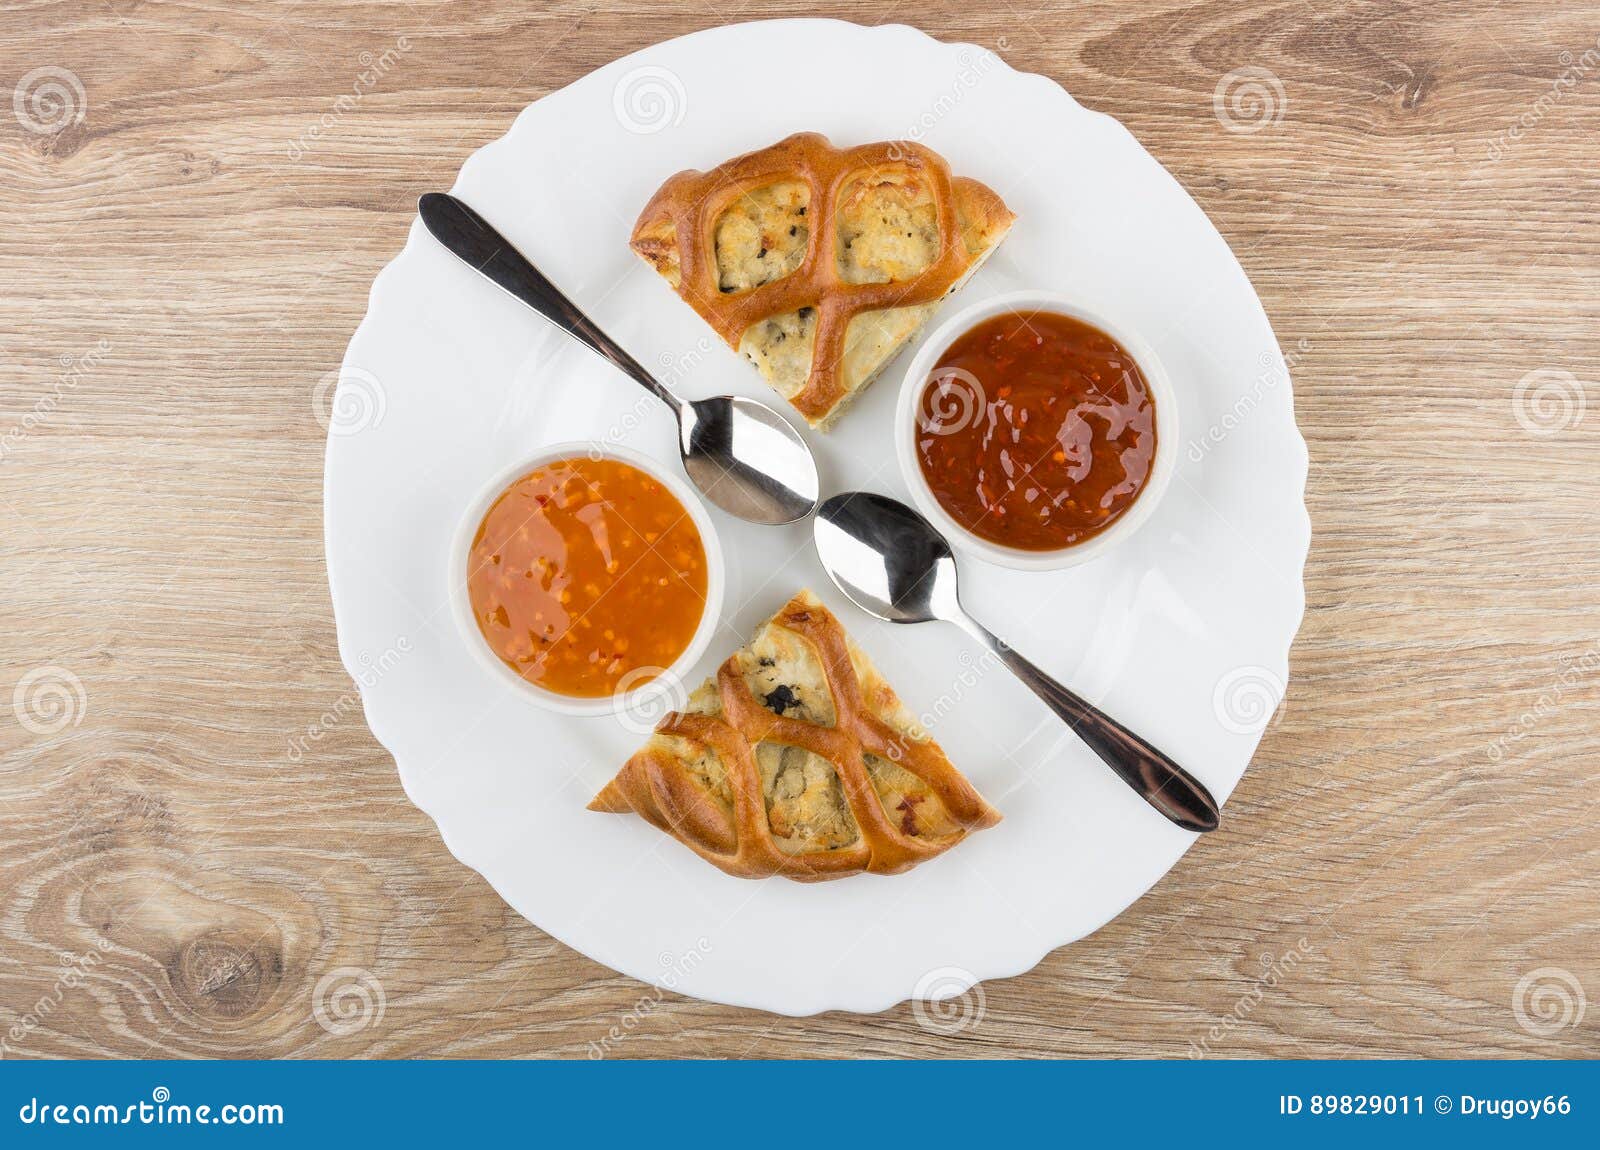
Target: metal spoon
[
  {"x": 742, "y": 455},
  {"x": 894, "y": 564}
]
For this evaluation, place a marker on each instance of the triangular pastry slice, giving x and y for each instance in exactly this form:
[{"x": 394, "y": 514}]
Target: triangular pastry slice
[
  {"x": 797, "y": 759},
  {"x": 820, "y": 263}
]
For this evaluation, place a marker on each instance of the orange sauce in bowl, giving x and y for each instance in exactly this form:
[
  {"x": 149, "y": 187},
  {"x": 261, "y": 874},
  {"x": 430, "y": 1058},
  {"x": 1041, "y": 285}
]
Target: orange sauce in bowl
[{"x": 584, "y": 573}]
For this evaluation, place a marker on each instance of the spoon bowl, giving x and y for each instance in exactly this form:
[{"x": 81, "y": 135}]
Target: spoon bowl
[
  {"x": 744, "y": 457},
  {"x": 893, "y": 563},
  {"x": 886, "y": 558},
  {"x": 748, "y": 460}
]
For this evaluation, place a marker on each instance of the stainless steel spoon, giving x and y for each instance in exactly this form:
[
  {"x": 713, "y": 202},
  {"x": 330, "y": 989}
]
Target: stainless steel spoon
[
  {"x": 743, "y": 456},
  {"x": 894, "y": 564}
]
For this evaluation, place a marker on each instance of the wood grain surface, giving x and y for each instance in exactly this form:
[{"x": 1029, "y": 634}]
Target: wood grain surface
[{"x": 1409, "y": 868}]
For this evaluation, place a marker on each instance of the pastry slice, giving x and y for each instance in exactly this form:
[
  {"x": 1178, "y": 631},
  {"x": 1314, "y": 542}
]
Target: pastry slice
[
  {"x": 797, "y": 759},
  {"x": 820, "y": 263}
]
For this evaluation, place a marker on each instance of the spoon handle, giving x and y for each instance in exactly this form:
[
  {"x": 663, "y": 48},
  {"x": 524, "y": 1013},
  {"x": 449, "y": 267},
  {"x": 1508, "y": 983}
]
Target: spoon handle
[
  {"x": 1159, "y": 781},
  {"x": 473, "y": 240}
]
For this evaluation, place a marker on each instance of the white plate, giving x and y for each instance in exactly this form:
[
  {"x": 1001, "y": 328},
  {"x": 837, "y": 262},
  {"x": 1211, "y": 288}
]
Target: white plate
[{"x": 1183, "y": 633}]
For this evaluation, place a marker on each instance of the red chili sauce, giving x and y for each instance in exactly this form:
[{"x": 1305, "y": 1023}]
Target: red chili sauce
[{"x": 1036, "y": 431}]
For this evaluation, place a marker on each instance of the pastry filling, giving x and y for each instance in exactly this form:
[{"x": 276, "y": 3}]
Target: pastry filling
[
  {"x": 888, "y": 229},
  {"x": 909, "y": 803},
  {"x": 806, "y": 806},
  {"x": 780, "y": 347},
  {"x": 873, "y": 337},
  {"x": 704, "y": 764},
  {"x": 784, "y": 674},
  {"x": 762, "y": 236}
]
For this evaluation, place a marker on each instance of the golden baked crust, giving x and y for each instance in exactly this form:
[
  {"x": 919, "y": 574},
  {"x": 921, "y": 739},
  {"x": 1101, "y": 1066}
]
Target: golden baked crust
[
  {"x": 799, "y": 760},
  {"x": 820, "y": 263}
]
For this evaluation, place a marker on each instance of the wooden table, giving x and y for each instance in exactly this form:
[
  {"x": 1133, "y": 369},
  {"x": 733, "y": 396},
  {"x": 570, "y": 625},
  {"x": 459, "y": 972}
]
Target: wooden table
[{"x": 1407, "y": 870}]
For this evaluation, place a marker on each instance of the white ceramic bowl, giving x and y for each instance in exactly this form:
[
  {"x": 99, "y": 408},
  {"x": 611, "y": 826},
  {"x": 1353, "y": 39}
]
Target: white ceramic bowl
[
  {"x": 905, "y": 431},
  {"x": 467, "y": 625}
]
